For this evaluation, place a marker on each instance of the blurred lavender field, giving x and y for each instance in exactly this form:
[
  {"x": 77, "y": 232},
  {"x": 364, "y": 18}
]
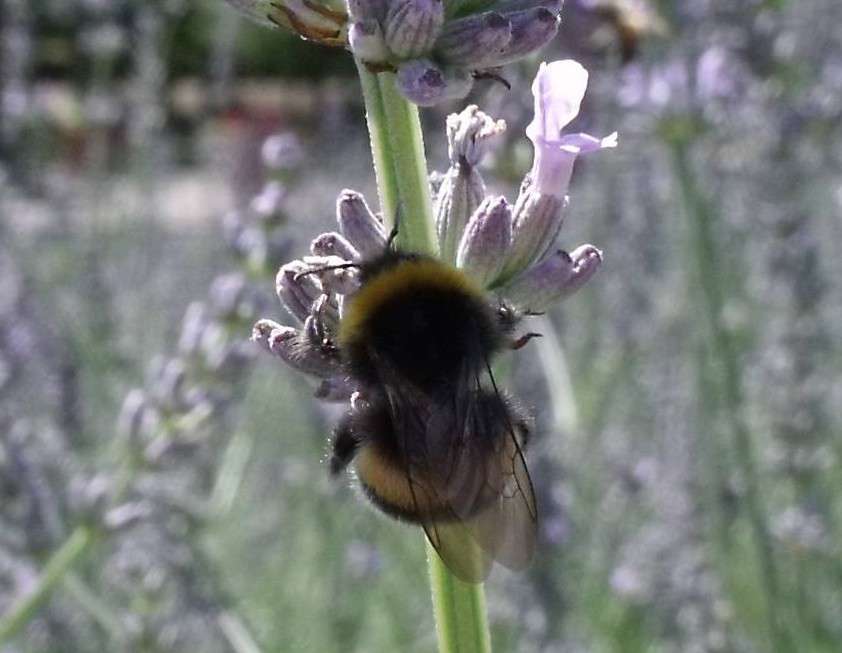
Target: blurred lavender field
[{"x": 162, "y": 485}]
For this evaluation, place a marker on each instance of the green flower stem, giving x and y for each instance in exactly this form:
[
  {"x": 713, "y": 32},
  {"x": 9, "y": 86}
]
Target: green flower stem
[
  {"x": 461, "y": 621},
  {"x": 96, "y": 607},
  {"x": 397, "y": 147},
  {"x": 384, "y": 168},
  {"x": 54, "y": 571}
]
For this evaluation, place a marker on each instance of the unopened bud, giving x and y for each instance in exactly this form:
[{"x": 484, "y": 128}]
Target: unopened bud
[
  {"x": 554, "y": 278},
  {"x": 485, "y": 241},
  {"x": 297, "y": 291},
  {"x": 368, "y": 9},
  {"x": 412, "y": 26},
  {"x": 227, "y": 294},
  {"x": 359, "y": 225},
  {"x": 473, "y": 40},
  {"x": 294, "y": 348},
  {"x": 334, "y": 244},
  {"x": 192, "y": 328},
  {"x": 424, "y": 83},
  {"x": 531, "y": 30}
]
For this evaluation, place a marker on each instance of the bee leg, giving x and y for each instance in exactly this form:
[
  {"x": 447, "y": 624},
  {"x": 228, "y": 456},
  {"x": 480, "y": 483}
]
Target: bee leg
[
  {"x": 526, "y": 337},
  {"x": 524, "y": 431},
  {"x": 344, "y": 447}
]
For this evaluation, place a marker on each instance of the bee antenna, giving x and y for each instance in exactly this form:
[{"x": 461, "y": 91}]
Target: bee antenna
[{"x": 327, "y": 268}]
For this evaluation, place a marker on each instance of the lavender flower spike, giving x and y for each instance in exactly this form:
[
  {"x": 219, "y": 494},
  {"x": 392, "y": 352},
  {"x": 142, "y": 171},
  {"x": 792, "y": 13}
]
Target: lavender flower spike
[{"x": 558, "y": 90}]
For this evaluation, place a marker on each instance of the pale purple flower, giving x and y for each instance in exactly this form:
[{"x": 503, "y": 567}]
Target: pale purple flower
[{"x": 558, "y": 89}]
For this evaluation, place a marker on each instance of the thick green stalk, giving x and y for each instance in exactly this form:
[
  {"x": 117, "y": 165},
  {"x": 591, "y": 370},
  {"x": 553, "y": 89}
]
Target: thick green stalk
[
  {"x": 384, "y": 167},
  {"x": 461, "y": 621},
  {"x": 397, "y": 147},
  {"x": 60, "y": 562}
]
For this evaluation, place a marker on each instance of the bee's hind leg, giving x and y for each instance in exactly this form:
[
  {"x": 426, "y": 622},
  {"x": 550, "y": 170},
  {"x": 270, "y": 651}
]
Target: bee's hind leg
[{"x": 344, "y": 445}]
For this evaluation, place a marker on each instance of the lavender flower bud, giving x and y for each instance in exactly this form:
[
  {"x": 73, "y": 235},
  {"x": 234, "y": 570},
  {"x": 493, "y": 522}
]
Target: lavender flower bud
[
  {"x": 133, "y": 415},
  {"x": 367, "y": 42},
  {"x": 227, "y": 294},
  {"x": 294, "y": 348},
  {"x": 462, "y": 189},
  {"x": 269, "y": 202},
  {"x": 297, "y": 293},
  {"x": 359, "y": 225},
  {"x": 170, "y": 387},
  {"x": 368, "y": 9},
  {"x": 536, "y": 221},
  {"x": 531, "y": 30},
  {"x": 459, "y": 195},
  {"x": 425, "y": 84},
  {"x": 412, "y": 26},
  {"x": 473, "y": 40},
  {"x": 263, "y": 330},
  {"x": 554, "y": 278},
  {"x": 486, "y": 240},
  {"x": 126, "y": 516},
  {"x": 230, "y": 361},
  {"x": 334, "y": 244},
  {"x": 192, "y": 328}
]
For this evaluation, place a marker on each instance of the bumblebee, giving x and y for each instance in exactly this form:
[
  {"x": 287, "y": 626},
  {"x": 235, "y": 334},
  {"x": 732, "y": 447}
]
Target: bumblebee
[{"x": 431, "y": 438}]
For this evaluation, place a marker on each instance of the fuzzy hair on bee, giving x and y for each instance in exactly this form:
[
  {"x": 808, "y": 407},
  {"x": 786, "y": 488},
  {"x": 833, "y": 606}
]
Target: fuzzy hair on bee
[{"x": 431, "y": 438}]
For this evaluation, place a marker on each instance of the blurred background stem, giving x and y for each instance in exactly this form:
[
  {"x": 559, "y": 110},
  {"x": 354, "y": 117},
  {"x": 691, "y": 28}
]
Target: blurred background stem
[
  {"x": 54, "y": 571},
  {"x": 702, "y": 219}
]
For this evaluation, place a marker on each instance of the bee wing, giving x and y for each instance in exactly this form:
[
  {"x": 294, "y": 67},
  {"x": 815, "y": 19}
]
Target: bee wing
[
  {"x": 506, "y": 527},
  {"x": 490, "y": 488},
  {"x": 466, "y": 472}
]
